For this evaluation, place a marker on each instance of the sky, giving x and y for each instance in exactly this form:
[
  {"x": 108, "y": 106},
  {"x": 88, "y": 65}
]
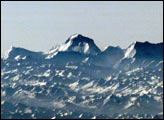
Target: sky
[{"x": 39, "y": 26}]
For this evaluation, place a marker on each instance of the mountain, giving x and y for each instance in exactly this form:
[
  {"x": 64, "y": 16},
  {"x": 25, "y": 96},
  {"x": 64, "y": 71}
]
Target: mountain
[
  {"x": 16, "y": 53},
  {"x": 77, "y": 43},
  {"x": 142, "y": 54},
  {"x": 110, "y": 56},
  {"x": 145, "y": 50},
  {"x": 76, "y": 80}
]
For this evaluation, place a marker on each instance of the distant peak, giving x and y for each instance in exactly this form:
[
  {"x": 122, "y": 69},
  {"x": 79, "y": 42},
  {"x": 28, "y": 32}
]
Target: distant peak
[
  {"x": 112, "y": 48},
  {"x": 146, "y": 42},
  {"x": 79, "y": 38},
  {"x": 18, "y": 51},
  {"x": 75, "y": 36},
  {"x": 144, "y": 49},
  {"x": 79, "y": 43},
  {"x": 12, "y": 48}
]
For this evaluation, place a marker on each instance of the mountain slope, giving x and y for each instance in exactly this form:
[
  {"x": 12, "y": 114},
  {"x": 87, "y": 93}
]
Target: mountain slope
[
  {"x": 77, "y": 43},
  {"x": 77, "y": 80},
  {"x": 143, "y": 54},
  {"x": 16, "y": 53},
  {"x": 110, "y": 56},
  {"x": 146, "y": 50}
]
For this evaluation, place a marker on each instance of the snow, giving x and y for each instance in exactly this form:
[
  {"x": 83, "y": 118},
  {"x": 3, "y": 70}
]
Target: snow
[
  {"x": 51, "y": 55},
  {"x": 74, "y": 85},
  {"x": 72, "y": 67},
  {"x": 69, "y": 75},
  {"x": 27, "y": 110},
  {"x": 53, "y": 50},
  {"x": 107, "y": 99},
  {"x": 47, "y": 73},
  {"x": 16, "y": 78},
  {"x": 53, "y": 117},
  {"x": 65, "y": 47},
  {"x": 3, "y": 93},
  {"x": 74, "y": 36},
  {"x": 57, "y": 104},
  {"x": 80, "y": 115},
  {"x": 61, "y": 73},
  {"x": 94, "y": 117},
  {"x": 130, "y": 103},
  {"x": 130, "y": 52},
  {"x": 85, "y": 60},
  {"x": 158, "y": 98},
  {"x": 85, "y": 78},
  {"x": 71, "y": 99},
  {"x": 109, "y": 78},
  {"x": 160, "y": 63},
  {"x": 86, "y": 48},
  {"x": 2, "y": 102},
  {"x": 82, "y": 48},
  {"x": 17, "y": 58},
  {"x": 105, "y": 48},
  {"x": 134, "y": 70},
  {"x": 8, "y": 52},
  {"x": 88, "y": 85},
  {"x": 39, "y": 83}
]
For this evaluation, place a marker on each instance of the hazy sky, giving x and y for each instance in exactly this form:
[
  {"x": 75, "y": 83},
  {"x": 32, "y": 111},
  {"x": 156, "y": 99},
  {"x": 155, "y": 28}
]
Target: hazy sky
[{"x": 40, "y": 25}]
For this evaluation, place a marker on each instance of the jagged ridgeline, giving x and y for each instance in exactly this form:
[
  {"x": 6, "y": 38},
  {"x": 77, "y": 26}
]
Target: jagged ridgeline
[{"x": 78, "y": 80}]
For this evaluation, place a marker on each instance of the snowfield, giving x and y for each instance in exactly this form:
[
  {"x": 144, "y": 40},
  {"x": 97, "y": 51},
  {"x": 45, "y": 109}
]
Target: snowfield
[{"x": 77, "y": 80}]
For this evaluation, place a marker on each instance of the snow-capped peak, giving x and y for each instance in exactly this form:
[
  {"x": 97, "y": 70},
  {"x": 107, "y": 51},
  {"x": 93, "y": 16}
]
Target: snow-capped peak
[
  {"x": 79, "y": 43},
  {"x": 10, "y": 51},
  {"x": 79, "y": 38},
  {"x": 74, "y": 36},
  {"x": 111, "y": 48},
  {"x": 144, "y": 49},
  {"x": 18, "y": 52}
]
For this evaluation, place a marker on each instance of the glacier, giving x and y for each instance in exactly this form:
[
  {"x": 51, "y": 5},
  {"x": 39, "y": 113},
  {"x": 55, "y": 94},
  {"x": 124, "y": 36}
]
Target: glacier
[{"x": 77, "y": 80}]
